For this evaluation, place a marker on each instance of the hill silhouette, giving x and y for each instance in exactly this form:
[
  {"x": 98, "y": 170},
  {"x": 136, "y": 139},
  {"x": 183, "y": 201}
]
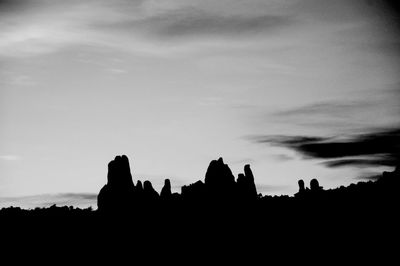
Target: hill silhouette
[
  {"x": 221, "y": 211},
  {"x": 222, "y": 197},
  {"x": 221, "y": 189},
  {"x": 120, "y": 196}
]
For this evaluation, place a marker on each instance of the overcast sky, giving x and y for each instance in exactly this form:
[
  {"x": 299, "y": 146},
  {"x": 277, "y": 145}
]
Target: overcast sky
[{"x": 174, "y": 84}]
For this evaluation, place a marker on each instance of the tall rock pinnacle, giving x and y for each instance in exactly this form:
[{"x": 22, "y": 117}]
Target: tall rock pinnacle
[
  {"x": 118, "y": 192},
  {"x": 245, "y": 184}
]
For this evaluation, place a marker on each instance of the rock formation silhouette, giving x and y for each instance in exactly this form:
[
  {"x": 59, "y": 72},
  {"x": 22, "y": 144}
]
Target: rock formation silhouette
[
  {"x": 301, "y": 186},
  {"x": 220, "y": 192},
  {"x": 194, "y": 192},
  {"x": 150, "y": 194},
  {"x": 221, "y": 212},
  {"x": 139, "y": 189},
  {"x": 246, "y": 187},
  {"x": 314, "y": 185},
  {"x": 219, "y": 181},
  {"x": 166, "y": 190},
  {"x": 118, "y": 193},
  {"x": 219, "y": 186}
]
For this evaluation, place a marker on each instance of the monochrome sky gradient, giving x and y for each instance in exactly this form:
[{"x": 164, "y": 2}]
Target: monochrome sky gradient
[{"x": 174, "y": 84}]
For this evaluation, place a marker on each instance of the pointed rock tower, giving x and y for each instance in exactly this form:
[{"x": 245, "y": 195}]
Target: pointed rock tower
[{"x": 246, "y": 187}]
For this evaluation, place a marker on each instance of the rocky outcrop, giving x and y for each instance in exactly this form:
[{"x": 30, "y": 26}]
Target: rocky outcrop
[
  {"x": 166, "y": 190},
  {"x": 246, "y": 188},
  {"x": 314, "y": 185},
  {"x": 219, "y": 174},
  {"x": 118, "y": 192},
  {"x": 302, "y": 189},
  {"x": 305, "y": 192},
  {"x": 219, "y": 185},
  {"x": 149, "y": 193},
  {"x": 219, "y": 181}
]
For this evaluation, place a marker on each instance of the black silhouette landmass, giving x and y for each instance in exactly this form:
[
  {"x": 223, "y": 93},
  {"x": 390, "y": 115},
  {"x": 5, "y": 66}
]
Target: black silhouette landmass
[
  {"x": 121, "y": 196},
  {"x": 221, "y": 194},
  {"x": 221, "y": 191},
  {"x": 222, "y": 208}
]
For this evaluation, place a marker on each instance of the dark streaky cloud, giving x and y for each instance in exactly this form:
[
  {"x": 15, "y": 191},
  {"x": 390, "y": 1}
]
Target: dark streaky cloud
[
  {"x": 378, "y": 161},
  {"x": 191, "y": 23},
  {"x": 323, "y": 108},
  {"x": 367, "y": 149},
  {"x": 85, "y": 196}
]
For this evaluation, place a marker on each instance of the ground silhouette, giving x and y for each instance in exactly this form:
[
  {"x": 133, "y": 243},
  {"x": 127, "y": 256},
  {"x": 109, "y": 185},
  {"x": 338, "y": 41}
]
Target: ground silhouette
[
  {"x": 220, "y": 190},
  {"x": 121, "y": 196},
  {"x": 222, "y": 194},
  {"x": 220, "y": 213}
]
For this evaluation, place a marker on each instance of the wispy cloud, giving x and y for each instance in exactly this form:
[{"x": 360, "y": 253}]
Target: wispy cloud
[
  {"x": 35, "y": 27},
  {"x": 195, "y": 23},
  {"x": 378, "y": 160},
  {"x": 375, "y": 148},
  {"x": 281, "y": 157},
  {"x": 350, "y": 114},
  {"x": 41, "y": 26},
  {"x": 336, "y": 109}
]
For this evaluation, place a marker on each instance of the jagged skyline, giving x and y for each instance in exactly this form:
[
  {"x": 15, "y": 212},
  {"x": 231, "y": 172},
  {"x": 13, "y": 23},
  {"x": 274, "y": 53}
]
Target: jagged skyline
[{"x": 175, "y": 84}]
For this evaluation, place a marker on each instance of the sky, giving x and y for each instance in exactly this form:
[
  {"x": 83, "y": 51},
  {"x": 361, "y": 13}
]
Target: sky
[{"x": 298, "y": 89}]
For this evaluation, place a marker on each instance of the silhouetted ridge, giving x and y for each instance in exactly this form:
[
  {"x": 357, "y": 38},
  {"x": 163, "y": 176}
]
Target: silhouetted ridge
[
  {"x": 221, "y": 208},
  {"x": 220, "y": 191},
  {"x": 193, "y": 192},
  {"x": 219, "y": 211},
  {"x": 219, "y": 186}
]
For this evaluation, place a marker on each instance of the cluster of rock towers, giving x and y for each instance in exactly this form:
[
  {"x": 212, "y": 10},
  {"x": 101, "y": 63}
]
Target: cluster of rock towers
[{"x": 120, "y": 193}]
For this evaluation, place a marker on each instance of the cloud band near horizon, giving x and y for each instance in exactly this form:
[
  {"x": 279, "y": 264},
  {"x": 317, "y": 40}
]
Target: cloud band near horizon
[{"x": 375, "y": 148}]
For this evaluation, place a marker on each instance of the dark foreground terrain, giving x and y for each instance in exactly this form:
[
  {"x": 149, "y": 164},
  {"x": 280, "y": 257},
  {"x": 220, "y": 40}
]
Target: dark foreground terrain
[{"x": 221, "y": 212}]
